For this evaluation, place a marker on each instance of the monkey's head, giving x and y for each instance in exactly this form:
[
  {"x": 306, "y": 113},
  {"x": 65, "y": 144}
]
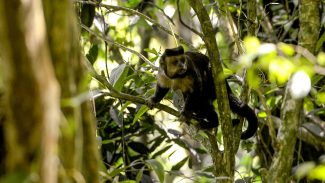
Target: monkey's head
[{"x": 174, "y": 62}]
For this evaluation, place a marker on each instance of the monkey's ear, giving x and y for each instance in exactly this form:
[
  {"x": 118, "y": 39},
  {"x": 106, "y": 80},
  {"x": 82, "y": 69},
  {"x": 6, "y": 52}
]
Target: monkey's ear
[{"x": 174, "y": 51}]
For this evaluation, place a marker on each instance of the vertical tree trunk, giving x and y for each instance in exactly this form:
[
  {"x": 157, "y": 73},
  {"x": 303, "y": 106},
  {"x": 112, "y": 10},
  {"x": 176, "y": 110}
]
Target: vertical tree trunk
[
  {"x": 31, "y": 92},
  {"x": 32, "y": 95},
  {"x": 280, "y": 169},
  {"x": 309, "y": 20},
  {"x": 252, "y": 17},
  {"x": 226, "y": 165},
  {"x": 79, "y": 153}
]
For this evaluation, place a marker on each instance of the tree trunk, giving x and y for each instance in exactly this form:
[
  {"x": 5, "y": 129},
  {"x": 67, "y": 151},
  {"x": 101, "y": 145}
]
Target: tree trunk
[
  {"x": 280, "y": 169},
  {"x": 31, "y": 95},
  {"x": 29, "y": 63},
  {"x": 224, "y": 166},
  {"x": 78, "y": 144}
]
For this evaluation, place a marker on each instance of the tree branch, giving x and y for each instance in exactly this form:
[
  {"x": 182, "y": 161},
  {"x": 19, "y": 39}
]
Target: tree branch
[
  {"x": 304, "y": 134},
  {"x": 120, "y": 46},
  {"x": 116, "y": 94},
  {"x": 287, "y": 135},
  {"x": 185, "y": 25},
  {"x": 134, "y": 12}
]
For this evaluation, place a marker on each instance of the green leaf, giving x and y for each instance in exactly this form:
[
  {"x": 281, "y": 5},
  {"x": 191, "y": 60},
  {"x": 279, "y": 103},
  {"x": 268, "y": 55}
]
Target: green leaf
[
  {"x": 308, "y": 104},
  {"x": 118, "y": 75},
  {"x": 116, "y": 171},
  {"x": 317, "y": 173},
  {"x": 180, "y": 164},
  {"x": 280, "y": 70},
  {"x": 92, "y": 54},
  {"x": 157, "y": 141},
  {"x": 125, "y": 105},
  {"x": 200, "y": 150},
  {"x": 304, "y": 168},
  {"x": 316, "y": 78},
  {"x": 320, "y": 98},
  {"x": 253, "y": 79},
  {"x": 262, "y": 114},
  {"x": 158, "y": 169},
  {"x": 140, "y": 112},
  {"x": 88, "y": 13},
  {"x": 128, "y": 181},
  {"x": 180, "y": 142},
  {"x": 152, "y": 59},
  {"x": 320, "y": 42},
  {"x": 321, "y": 58},
  {"x": 132, "y": 3},
  {"x": 251, "y": 44},
  {"x": 153, "y": 51},
  {"x": 227, "y": 72},
  {"x": 139, "y": 175},
  {"x": 286, "y": 49},
  {"x": 161, "y": 151}
]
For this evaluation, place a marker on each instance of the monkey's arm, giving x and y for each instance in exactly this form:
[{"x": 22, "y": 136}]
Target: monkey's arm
[{"x": 159, "y": 95}]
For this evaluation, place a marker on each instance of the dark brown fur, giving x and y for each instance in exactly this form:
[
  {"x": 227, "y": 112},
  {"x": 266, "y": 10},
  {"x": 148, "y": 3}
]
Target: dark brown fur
[{"x": 189, "y": 73}]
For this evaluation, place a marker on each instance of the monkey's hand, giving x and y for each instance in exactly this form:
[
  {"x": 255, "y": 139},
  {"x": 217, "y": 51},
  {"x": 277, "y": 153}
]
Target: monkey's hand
[{"x": 151, "y": 102}]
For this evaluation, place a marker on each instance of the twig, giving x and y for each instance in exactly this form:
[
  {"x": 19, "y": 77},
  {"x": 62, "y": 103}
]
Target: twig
[
  {"x": 162, "y": 11},
  {"x": 266, "y": 24},
  {"x": 134, "y": 12},
  {"x": 185, "y": 25},
  {"x": 269, "y": 120},
  {"x": 120, "y": 46},
  {"x": 316, "y": 120}
]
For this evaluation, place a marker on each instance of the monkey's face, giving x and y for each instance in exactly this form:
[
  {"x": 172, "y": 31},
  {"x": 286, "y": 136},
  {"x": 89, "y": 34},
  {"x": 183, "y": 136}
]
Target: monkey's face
[{"x": 175, "y": 66}]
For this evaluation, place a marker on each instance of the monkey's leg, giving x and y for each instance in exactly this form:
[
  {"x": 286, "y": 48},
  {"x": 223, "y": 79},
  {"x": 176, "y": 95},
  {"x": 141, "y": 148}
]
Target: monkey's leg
[{"x": 208, "y": 117}]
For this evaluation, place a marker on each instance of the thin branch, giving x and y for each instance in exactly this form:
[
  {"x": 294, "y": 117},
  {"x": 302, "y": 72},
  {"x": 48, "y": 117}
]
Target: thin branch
[
  {"x": 134, "y": 12},
  {"x": 184, "y": 24},
  {"x": 316, "y": 120},
  {"x": 269, "y": 120},
  {"x": 162, "y": 11},
  {"x": 120, "y": 46},
  {"x": 234, "y": 29},
  {"x": 266, "y": 24},
  {"x": 306, "y": 53},
  {"x": 303, "y": 133}
]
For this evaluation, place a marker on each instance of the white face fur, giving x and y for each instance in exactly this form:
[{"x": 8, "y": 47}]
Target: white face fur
[{"x": 175, "y": 65}]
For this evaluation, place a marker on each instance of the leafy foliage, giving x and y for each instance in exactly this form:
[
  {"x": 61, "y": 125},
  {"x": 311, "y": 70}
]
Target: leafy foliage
[{"x": 134, "y": 143}]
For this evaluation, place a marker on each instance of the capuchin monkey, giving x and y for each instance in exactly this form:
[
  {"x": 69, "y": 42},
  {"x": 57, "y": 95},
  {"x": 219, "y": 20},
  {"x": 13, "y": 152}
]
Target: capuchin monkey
[{"x": 190, "y": 73}]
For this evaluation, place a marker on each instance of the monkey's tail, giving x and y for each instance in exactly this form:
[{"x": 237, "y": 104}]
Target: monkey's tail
[
  {"x": 252, "y": 120},
  {"x": 245, "y": 111}
]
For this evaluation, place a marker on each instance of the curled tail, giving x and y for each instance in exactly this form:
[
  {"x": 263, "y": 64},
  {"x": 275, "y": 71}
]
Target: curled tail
[
  {"x": 245, "y": 111},
  {"x": 249, "y": 114}
]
